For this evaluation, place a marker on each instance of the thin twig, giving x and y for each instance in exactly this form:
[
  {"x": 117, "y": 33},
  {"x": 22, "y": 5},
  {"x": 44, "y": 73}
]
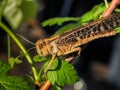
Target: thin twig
[
  {"x": 46, "y": 86},
  {"x": 111, "y": 7}
]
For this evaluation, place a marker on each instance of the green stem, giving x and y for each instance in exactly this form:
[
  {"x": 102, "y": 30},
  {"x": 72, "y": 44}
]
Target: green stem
[
  {"x": 13, "y": 36},
  {"x": 9, "y": 53},
  {"x": 106, "y": 3}
]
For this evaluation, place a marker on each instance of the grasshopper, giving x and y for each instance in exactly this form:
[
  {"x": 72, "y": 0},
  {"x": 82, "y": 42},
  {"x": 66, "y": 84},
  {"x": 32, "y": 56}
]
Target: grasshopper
[{"x": 70, "y": 42}]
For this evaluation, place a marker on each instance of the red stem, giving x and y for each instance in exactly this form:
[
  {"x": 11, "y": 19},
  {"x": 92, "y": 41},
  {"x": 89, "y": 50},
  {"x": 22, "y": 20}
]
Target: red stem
[
  {"x": 111, "y": 7},
  {"x": 46, "y": 86}
]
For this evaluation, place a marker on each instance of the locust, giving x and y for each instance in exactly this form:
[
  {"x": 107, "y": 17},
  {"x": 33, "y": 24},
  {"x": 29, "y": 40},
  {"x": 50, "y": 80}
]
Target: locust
[{"x": 71, "y": 41}]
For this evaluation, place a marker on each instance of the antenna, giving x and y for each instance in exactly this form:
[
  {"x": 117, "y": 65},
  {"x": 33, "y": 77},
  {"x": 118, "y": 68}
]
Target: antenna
[{"x": 25, "y": 39}]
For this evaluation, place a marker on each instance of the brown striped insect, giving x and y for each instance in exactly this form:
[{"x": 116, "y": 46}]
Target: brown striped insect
[{"x": 70, "y": 42}]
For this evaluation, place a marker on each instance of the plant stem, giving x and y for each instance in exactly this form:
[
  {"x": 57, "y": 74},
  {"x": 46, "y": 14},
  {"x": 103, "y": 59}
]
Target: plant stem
[
  {"x": 13, "y": 36},
  {"x": 113, "y": 4},
  {"x": 8, "y": 43},
  {"x": 106, "y": 3}
]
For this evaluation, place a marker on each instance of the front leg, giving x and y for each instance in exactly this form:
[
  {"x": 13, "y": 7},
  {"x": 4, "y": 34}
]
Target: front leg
[{"x": 50, "y": 63}]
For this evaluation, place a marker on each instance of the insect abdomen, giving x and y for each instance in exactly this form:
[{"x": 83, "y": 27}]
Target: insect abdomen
[{"x": 94, "y": 28}]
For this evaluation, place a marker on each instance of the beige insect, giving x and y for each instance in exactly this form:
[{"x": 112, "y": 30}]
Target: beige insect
[{"x": 70, "y": 42}]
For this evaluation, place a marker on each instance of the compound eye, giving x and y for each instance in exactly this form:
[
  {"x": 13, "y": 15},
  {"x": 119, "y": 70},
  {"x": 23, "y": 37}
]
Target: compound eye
[{"x": 40, "y": 46}]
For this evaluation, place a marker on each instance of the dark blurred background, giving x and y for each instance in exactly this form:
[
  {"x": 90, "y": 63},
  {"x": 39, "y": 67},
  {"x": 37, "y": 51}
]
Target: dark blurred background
[{"x": 93, "y": 65}]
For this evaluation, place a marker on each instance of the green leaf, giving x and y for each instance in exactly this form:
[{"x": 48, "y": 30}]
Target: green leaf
[
  {"x": 8, "y": 82},
  {"x": 2, "y": 6},
  {"x": 4, "y": 68},
  {"x": 117, "y": 29},
  {"x": 13, "y": 83},
  {"x": 117, "y": 10},
  {"x": 61, "y": 73},
  {"x": 19, "y": 11},
  {"x": 37, "y": 58},
  {"x": 14, "y": 61},
  {"x": 58, "y": 21},
  {"x": 93, "y": 14}
]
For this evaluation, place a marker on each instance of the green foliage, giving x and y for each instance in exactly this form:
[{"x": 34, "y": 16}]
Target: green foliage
[
  {"x": 13, "y": 61},
  {"x": 117, "y": 10},
  {"x": 58, "y": 21},
  {"x": 61, "y": 73},
  {"x": 13, "y": 83},
  {"x": 2, "y": 6},
  {"x": 4, "y": 68},
  {"x": 118, "y": 29},
  {"x": 12, "y": 12},
  {"x": 93, "y": 14},
  {"x": 37, "y": 58},
  {"x": 85, "y": 18},
  {"x": 19, "y": 11},
  {"x": 8, "y": 82}
]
